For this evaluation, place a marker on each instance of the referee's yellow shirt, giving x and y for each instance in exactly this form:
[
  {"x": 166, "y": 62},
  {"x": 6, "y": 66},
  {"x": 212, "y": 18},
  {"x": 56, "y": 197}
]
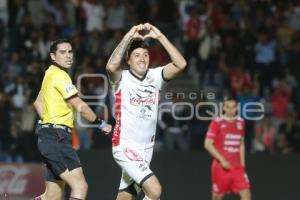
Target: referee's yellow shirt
[{"x": 57, "y": 87}]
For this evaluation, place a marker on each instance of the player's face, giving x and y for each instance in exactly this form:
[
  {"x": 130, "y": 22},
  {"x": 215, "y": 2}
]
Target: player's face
[
  {"x": 139, "y": 61},
  {"x": 63, "y": 55},
  {"x": 230, "y": 108}
]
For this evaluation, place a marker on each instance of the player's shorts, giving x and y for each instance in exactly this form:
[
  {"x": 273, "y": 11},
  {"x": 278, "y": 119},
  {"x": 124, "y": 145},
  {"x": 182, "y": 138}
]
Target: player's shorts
[
  {"x": 54, "y": 144},
  {"x": 224, "y": 181},
  {"x": 135, "y": 167}
]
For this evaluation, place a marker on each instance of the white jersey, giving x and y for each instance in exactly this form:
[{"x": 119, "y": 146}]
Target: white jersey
[{"x": 136, "y": 108}]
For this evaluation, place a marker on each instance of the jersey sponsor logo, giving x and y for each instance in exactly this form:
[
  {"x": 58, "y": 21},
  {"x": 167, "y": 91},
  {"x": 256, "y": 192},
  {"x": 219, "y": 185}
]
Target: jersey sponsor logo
[
  {"x": 143, "y": 95},
  {"x": 233, "y": 136},
  {"x": 69, "y": 88},
  {"x": 232, "y": 142},
  {"x": 231, "y": 149}
]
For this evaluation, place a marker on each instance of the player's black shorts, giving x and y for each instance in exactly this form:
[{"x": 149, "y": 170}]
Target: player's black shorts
[{"x": 54, "y": 144}]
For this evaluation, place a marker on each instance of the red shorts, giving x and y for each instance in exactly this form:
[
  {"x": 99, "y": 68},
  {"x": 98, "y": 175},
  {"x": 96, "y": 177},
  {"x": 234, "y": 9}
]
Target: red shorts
[{"x": 224, "y": 181}]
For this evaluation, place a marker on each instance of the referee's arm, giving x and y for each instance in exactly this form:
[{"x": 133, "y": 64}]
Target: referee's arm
[
  {"x": 38, "y": 105},
  {"x": 80, "y": 106}
]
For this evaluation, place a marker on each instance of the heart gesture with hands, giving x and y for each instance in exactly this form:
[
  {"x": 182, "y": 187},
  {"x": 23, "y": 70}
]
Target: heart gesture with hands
[
  {"x": 152, "y": 31},
  {"x": 144, "y": 31},
  {"x": 134, "y": 32}
]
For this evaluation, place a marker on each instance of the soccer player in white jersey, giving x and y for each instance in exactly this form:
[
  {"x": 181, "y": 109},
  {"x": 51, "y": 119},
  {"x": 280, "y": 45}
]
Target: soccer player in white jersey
[{"x": 136, "y": 92}]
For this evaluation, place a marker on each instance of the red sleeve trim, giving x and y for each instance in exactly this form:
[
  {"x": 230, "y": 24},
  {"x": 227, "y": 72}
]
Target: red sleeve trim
[{"x": 71, "y": 97}]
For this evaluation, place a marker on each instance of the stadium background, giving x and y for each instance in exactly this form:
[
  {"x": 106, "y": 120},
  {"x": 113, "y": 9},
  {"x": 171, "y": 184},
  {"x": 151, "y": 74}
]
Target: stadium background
[{"x": 248, "y": 47}]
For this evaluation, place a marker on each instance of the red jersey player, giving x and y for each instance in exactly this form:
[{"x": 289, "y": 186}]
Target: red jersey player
[{"x": 225, "y": 142}]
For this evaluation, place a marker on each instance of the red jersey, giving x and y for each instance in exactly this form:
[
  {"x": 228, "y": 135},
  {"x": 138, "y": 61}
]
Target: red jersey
[
  {"x": 193, "y": 28},
  {"x": 227, "y": 138}
]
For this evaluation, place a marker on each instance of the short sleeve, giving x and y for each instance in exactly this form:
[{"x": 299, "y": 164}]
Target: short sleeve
[
  {"x": 213, "y": 130},
  {"x": 158, "y": 73},
  {"x": 64, "y": 85}
]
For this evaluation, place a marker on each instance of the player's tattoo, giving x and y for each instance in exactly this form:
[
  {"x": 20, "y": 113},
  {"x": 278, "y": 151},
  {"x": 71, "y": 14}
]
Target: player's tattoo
[{"x": 118, "y": 53}]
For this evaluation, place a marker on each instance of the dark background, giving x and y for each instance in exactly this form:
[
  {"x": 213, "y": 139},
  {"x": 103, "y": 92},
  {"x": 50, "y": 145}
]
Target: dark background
[{"x": 186, "y": 175}]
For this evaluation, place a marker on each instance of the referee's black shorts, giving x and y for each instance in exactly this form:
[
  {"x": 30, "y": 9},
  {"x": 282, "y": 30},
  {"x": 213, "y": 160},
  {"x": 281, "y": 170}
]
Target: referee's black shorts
[{"x": 54, "y": 144}]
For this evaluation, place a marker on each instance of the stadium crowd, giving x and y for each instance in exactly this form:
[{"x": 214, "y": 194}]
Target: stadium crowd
[{"x": 249, "y": 48}]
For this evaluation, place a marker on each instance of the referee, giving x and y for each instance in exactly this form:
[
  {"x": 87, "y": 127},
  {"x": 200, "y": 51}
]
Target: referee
[{"x": 55, "y": 104}]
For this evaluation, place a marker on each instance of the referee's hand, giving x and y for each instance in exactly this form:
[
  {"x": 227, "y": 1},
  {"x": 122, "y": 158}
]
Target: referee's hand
[{"x": 107, "y": 129}]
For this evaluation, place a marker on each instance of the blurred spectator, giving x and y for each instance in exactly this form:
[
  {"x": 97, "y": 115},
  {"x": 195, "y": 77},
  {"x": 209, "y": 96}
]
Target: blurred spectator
[
  {"x": 116, "y": 15},
  {"x": 288, "y": 140},
  {"x": 16, "y": 9},
  {"x": 280, "y": 104},
  {"x": 240, "y": 79},
  {"x": 19, "y": 97},
  {"x": 95, "y": 43},
  {"x": 295, "y": 16},
  {"x": 112, "y": 42},
  {"x": 35, "y": 47},
  {"x": 249, "y": 102},
  {"x": 13, "y": 67},
  {"x": 293, "y": 56},
  {"x": 23, "y": 30},
  {"x": 264, "y": 136},
  {"x": 93, "y": 13},
  {"x": 5, "y": 111},
  {"x": 209, "y": 55},
  {"x": 194, "y": 29},
  {"x": 143, "y": 11},
  {"x": 14, "y": 150},
  {"x": 50, "y": 29},
  {"x": 165, "y": 15},
  {"x": 158, "y": 54},
  {"x": 3, "y": 11},
  {"x": 2, "y": 34},
  {"x": 265, "y": 60},
  {"x": 174, "y": 125},
  {"x": 57, "y": 9},
  {"x": 84, "y": 133}
]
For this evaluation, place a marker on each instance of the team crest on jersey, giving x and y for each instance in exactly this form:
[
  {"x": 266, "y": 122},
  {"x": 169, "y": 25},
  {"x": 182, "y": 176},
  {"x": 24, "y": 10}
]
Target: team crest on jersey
[
  {"x": 69, "y": 88},
  {"x": 223, "y": 125},
  {"x": 145, "y": 112}
]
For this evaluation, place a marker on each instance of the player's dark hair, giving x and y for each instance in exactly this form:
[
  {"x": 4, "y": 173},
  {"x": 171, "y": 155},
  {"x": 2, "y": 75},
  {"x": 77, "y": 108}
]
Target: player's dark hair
[
  {"x": 54, "y": 44},
  {"x": 230, "y": 97},
  {"x": 134, "y": 44},
  {"x": 53, "y": 48}
]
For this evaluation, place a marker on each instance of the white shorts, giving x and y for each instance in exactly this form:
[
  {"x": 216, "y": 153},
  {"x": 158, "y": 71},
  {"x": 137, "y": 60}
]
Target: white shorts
[{"x": 135, "y": 165}]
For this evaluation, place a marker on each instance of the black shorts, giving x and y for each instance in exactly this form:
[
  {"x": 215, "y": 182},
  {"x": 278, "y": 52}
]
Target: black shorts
[{"x": 55, "y": 147}]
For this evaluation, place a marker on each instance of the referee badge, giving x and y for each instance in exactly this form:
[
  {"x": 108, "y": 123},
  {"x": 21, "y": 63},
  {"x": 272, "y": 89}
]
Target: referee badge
[{"x": 69, "y": 88}]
